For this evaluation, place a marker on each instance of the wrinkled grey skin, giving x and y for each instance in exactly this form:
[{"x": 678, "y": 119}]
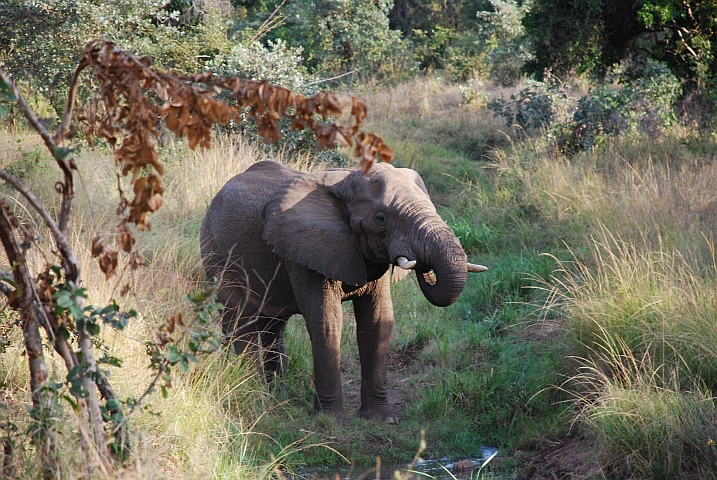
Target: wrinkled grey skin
[{"x": 316, "y": 240}]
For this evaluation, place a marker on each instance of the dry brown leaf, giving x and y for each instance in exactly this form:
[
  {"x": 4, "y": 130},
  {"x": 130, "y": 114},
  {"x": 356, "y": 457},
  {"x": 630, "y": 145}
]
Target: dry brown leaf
[
  {"x": 108, "y": 262},
  {"x": 96, "y": 247}
]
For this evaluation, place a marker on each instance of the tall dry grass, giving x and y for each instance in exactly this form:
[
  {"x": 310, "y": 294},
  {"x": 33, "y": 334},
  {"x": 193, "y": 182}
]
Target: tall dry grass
[
  {"x": 655, "y": 194},
  {"x": 204, "y": 429},
  {"x": 424, "y": 122},
  {"x": 638, "y": 295}
]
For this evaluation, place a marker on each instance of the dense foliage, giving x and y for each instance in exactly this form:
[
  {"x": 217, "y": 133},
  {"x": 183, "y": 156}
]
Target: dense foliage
[
  {"x": 596, "y": 35},
  {"x": 41, "y": 42}
]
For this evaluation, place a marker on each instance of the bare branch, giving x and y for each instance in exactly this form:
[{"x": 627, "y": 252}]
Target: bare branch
[
  {"x": 5, "y": 289},
  {"x": 68, "y": 256},
  {"x": 325, "y": 80},
  {"x": 63, "y": 159},
  {"x": 150, "y": 388},
  {"x": 34, "y": 121},
  {"x": 70, "y": 105}
]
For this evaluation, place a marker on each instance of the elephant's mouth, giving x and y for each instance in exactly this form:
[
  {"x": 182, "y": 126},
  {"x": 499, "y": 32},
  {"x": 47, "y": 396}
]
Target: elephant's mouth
[{"x": 428, "y": 273}]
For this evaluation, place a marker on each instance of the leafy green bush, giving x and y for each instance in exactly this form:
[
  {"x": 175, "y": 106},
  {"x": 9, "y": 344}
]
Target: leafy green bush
[
  {"x": 531, "y": 108},
  {"x": 646, "y": 105},
  {"x": 275, "y": 62},
  {"x": 41, "y": 41},
  {"x": 344, "y": 35},
  {"x": 502, "y": 33}
]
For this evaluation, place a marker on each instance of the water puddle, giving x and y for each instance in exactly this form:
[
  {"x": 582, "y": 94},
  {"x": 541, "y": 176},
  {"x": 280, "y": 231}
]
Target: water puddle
[{"x": 442, "y": 469}]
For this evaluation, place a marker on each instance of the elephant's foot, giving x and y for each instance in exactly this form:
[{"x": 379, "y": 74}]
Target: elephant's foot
[
  {"x": 335, "y": 409},
  {"x": 381, "y": 413},
  {"x": 339, "y": 415}
]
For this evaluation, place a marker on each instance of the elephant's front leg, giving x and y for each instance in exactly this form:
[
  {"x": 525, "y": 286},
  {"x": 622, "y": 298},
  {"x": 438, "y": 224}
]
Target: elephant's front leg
[
  {"x": 374, "y": 326},
  {"x": 320, "y": 302}
]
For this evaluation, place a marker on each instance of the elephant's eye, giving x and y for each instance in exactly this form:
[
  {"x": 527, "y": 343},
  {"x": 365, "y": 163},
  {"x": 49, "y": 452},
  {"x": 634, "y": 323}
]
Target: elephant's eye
[{"x": 380, "y": 219}]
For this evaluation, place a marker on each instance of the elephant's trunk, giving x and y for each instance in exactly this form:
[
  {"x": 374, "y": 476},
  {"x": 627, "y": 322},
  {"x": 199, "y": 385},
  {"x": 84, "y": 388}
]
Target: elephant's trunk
[{"x": 441, "y": 264}]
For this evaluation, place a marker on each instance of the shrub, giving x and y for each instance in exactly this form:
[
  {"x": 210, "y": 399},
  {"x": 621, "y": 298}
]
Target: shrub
[
  {"x": 276, "y": 63},
  {"x": 40, "y": 41},
  {"x": 344, "y": 35},
  {"x": 531, "y": 108},
  {"x": 645, "y": 105},
  {"x": 504, "y": 36},
  {"x": 280, "y": 64}
]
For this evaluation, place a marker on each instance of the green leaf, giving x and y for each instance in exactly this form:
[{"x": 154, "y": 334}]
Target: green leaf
[
  {"x": 110, "y": 360},
  {"x": 79, "y": 292},
  {"x": 184, "y": 365},
  {"x": 164, "y": 391},
  {"x": 92, "y": 328},
  {"x": 60, "y": 153},
  {"x": 173, "y": 355},
  {"x": 6, "y": 92},
  {"x": 72, "y": 403},
  {"x": 113, "y": 404},
  {"x": 3, "y": 112},
  {"x": 111, "y": 308},
  {"x": 76, "y": 311}
]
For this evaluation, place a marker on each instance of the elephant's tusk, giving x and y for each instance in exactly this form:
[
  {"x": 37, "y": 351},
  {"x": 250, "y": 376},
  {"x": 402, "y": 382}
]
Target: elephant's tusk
[
  {"x": 473, "y": 268},
  {"x": 405, "y": 263}
]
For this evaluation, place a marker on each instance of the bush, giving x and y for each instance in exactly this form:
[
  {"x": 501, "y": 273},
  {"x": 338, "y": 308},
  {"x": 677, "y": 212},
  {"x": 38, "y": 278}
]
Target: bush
[
  {"x": 277, "y": 63},
  {"x": 531, "y": 108},
  {"x": 645, "y": 105},
  {"x": 280, "y": 64},
  {"x": 40, "y": 41},
  {"x": 345, "y": 35},
  {"x": 503, "y": 33}
]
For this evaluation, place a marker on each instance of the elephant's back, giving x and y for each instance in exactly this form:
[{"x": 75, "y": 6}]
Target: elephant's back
[
  {"x": 254, "y": 186},
  {"x": 233, "y": 221}
]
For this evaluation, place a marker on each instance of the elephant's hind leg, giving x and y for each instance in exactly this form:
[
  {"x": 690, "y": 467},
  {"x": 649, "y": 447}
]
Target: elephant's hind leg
[
  {"x": 271, "y": 333},
  {"x": 238, "y": 327}
]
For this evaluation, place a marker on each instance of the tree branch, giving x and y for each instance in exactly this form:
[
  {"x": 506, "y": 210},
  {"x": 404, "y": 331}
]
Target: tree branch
[
  {"x": 63, "y": 245},
  {"x": 63, "y": 159},
  {"x": 70, "y": 105}
]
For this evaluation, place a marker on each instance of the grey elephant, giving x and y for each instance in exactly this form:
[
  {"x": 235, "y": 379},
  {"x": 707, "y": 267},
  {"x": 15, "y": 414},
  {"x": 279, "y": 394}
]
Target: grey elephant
[{"x": 285, "y": 242}]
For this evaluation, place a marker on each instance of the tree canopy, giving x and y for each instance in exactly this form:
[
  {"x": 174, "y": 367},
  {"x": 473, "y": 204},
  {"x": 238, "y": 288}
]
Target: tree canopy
[{"x": 594, "y": 36}]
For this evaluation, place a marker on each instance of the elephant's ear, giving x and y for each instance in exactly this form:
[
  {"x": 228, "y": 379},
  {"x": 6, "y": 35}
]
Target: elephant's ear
[{"x": 306, "y": 223}]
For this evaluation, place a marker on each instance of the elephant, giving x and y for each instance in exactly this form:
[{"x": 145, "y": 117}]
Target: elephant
[{"x": 285, "y": 242}]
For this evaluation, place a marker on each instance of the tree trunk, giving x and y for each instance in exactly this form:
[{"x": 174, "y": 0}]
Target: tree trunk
[
  {"x": 89, "y": 373},
  {"x": 44, "y": 434}
]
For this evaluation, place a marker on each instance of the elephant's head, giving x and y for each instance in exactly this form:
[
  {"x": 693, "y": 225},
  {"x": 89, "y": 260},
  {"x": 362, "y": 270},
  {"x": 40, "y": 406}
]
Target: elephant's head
[{"x": 339, "y": 221}]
